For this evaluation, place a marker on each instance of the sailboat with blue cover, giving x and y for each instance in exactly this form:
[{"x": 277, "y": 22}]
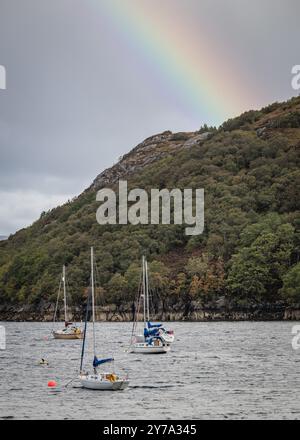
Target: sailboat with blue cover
[
  {"x": 155, "y": 338},
  {"x": 98, "y": 380}
]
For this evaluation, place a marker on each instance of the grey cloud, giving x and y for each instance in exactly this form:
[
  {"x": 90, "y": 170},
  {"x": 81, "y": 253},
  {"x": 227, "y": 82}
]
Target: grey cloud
[{"x": 79, "y": 96}]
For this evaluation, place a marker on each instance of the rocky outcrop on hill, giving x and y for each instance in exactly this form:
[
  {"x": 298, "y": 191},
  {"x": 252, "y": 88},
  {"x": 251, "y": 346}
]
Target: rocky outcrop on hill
[{"x": 150, "y": 150}]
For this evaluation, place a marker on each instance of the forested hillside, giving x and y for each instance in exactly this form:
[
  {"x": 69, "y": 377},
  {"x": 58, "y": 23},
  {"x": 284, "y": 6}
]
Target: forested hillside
[{"x": 249, "y": 251}]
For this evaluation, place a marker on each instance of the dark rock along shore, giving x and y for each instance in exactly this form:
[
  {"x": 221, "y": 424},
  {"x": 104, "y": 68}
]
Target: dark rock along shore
[{"x": 195, "y": 312}]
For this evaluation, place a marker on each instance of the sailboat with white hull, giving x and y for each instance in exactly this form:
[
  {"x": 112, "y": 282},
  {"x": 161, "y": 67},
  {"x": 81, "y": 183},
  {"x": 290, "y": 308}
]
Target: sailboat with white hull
[
  {"x": 71, "y": 330},
  {"x": 104, "y": 381},
  {"x": 155, "y": 338}
]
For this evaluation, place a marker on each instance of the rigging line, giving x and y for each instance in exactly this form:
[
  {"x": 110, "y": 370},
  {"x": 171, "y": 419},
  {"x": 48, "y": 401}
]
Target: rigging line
[
  {"x": 68, "y": 298},
  {"x": 56, "y": 305},
  {"x": 97, "y": 281},
  {"x": 144, "y": 291},
  {"x": 147, "y": 289},
  {"x": 70, "y": 381},
  {"x": 139, "y": 299},
  {"x": 137, "y": 309},
  {"x": 151, "y": 297},
  {"x": 150, "y": 294},
  {"x": 65, "y": 293},
  {"x": 84, "y": 332},
  {"x": 93, "y": 298},
  {"x": 98, "y": 294}
]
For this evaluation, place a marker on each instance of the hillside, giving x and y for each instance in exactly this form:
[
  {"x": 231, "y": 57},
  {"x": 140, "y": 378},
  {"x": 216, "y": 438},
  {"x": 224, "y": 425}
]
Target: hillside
[{"x": 249, "y": 251}]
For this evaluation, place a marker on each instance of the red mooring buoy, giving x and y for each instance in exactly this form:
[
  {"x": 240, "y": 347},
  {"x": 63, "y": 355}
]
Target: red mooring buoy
[{"x": 52, "y": 383}]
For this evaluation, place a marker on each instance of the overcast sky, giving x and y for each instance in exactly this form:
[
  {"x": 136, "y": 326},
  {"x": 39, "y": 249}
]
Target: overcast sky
[{"x": 84, "y": 85}]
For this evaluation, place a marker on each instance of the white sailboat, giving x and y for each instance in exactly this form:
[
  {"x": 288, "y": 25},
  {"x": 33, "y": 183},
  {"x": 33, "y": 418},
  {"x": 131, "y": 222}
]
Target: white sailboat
[
  {"x": 166, "y": 335},
  {"x": 155, "y": 337},
  {"x": 71, "y": 330},
  {"x": 105, "y": 381}
]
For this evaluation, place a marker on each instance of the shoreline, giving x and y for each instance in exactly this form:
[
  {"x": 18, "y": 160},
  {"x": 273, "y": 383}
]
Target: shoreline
[{"x": 125, "y": 313}]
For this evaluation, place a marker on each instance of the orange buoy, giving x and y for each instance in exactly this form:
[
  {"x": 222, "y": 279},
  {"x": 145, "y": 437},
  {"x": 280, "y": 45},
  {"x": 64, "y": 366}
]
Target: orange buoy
[{"x": 52, "y": 383}]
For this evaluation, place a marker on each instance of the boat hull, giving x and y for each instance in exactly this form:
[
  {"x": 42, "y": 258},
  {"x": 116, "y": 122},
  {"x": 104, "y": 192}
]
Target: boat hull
[
  {"x": 150, "y": 349},
  {"x": 94, "y": 382},
  {"x": 58, "y": 335}
]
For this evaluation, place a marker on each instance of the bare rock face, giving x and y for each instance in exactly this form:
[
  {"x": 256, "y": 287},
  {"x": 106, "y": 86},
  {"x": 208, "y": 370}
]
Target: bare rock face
[
  {"x": 261, "y": 131},
  {"x": 177, "y": 312},
  {"x": 150, "y": 150},
  {"x": 292, "y": 314},
  {"x": 197, "y": 140}
]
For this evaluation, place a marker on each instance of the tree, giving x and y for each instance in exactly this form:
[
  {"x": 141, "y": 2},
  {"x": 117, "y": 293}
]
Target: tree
[
  {"x": 291, "y": 284},
  {"x": 194, "y": 287},
  {"x": 158, "y": 276},
  {"x": 256, "y": 270},
  {"x": 179, "y": 284},
  {"x": 248, "y": 275},
  {"x": 133, "y": 276},
  {"x": 117, "y": 289},
  {"x": 197, "y": 266},
  {"x": 207, "y": 276}
]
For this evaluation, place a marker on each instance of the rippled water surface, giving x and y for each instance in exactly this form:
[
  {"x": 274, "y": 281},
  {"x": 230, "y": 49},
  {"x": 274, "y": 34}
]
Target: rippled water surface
[{"x": 215, "y": 370}]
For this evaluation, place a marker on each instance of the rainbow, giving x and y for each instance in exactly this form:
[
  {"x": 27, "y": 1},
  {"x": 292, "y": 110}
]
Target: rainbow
[{"x": 202, "y": 80}]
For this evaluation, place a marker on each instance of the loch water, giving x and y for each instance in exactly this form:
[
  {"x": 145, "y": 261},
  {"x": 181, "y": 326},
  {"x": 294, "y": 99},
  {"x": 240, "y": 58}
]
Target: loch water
[{"x": 215, "y": 370}]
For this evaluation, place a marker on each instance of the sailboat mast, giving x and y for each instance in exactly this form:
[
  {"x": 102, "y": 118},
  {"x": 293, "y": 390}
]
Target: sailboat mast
[
  {"x": 93, "y": 298},
  {"x": 84, "y": 333},
  {"x": 144, "y": 291},
  {"x": 147, "y": 289},
  {"x": 65, "y": 293}
]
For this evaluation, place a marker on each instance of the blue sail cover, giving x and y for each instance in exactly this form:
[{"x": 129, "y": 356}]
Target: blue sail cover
[
  {"x": 151, "y": 332},
  {"x": 97, "y": 361},
  {"x": 150, "y": 325}
]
